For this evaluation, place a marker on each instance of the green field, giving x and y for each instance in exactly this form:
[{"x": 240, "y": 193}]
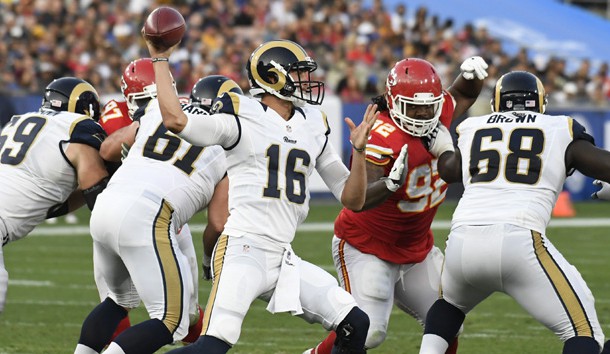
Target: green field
[{"x": 51, "y": 290}]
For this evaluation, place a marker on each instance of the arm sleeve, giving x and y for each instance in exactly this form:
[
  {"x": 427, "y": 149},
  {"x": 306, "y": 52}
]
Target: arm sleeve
[
  {"x": 216, "y": 129},
  {"x": 332, "y": 170}
]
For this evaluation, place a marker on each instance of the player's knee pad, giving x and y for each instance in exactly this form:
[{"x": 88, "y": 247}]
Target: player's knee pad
[
  {"x": 376, "y": 335},
  {"x": 351, "y": 333},
  {"x": 375, "y": 282},
  {"x": 581, "y": 345}
]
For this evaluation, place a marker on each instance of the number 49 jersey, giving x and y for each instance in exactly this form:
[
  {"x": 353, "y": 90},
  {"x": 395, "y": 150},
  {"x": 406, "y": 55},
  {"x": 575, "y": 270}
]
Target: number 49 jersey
[
  {"x": 35, "y": 173},
  {"x": 161, "y": 165},
  {"x": 513, "y": 167}
]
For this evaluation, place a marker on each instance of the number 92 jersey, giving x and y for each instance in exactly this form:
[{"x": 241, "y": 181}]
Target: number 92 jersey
[
  {"x": 513, "y": 167},
  {"x": 35, "y": 173},
  {"x": 161, "y": 165},
  {"x": 398, "y": 230}
]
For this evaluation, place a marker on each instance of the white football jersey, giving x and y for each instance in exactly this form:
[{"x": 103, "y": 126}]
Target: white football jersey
[
  {"x": 35, "y": 174},
  {"x": 161, "y": 165},
  {"x": 513, "y": 167},
  {"x": 270, "y": 165}
]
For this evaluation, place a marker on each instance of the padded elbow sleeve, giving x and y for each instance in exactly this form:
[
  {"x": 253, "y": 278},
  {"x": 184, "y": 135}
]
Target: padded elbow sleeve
[{"x": 92, "y": 192}]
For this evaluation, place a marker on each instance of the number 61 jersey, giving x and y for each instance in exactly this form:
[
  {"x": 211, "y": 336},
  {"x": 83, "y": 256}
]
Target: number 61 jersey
[
  {"x": 513, "y": 159},
  {"x": 161, "y": 165},
  {"x": 35, "y": 173}
]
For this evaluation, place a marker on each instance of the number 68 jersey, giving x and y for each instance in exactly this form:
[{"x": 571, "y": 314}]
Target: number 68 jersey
[
  {"x": 35, "y": 173},
  {"x": 163, "y": 166},
  {"x": 513, "y": 159}
]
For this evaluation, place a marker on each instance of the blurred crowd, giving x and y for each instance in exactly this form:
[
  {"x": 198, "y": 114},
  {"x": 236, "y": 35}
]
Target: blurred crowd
[{"x": 354, "y": 46}]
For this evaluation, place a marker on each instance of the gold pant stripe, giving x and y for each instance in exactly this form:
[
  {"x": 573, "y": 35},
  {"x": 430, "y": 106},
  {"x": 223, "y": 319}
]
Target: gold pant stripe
[
  {"x": 563, "y": 288},
  {"x": 219, "y": 256},
  {"x": 344, "y": 272},
  {"x": 172, "y": 279}
]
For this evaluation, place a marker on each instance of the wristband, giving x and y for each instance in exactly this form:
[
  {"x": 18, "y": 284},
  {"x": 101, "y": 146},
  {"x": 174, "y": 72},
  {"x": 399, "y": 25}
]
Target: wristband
[
  {"x": 154, "y": 60},
  {"x": 359, "y": 149}
]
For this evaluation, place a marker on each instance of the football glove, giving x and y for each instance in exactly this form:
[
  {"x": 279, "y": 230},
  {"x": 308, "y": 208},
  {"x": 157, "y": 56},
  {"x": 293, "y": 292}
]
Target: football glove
[
  {"x": 398, "y": 173},
  {"x": 207, "y": 268},
  {"x": 604, "y": 191},
  {"x": 124, "y": 151},
  {"x": 474, "y": 66},
  {"x": 438, "y": 141}
]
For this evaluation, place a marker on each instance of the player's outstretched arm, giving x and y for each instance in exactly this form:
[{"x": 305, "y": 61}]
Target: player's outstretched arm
[
  {"x": 589, "y": 159},
  {"x": 174, "y": 118},
  {"x": 354, "y": 192},
  {"x": 467, "y": 86},
  {"x": 112, "y": 145},
  {"x": 91, "y": 172}
]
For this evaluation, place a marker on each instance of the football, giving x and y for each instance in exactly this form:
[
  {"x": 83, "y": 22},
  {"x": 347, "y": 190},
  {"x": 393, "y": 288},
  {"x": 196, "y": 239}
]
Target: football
[{"x": 164, "y": 27}]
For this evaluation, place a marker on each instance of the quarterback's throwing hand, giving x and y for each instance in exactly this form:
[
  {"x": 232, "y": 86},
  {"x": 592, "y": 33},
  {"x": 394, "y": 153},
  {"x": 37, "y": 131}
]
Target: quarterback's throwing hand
[
  {"x": 604, "y": 191},
  {"x": 474, "y": 66},
  {"x": 398, "y": 173}
]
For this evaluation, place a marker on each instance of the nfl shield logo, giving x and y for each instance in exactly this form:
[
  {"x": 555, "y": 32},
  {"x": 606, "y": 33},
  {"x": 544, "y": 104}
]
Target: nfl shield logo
[
  {"x": 289, "y": 129},
  {"x": 509, "y": 104}
]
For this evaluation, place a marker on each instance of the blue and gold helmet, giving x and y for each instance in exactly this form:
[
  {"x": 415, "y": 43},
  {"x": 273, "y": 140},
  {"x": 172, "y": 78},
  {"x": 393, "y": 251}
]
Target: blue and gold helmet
[
  {"x": 283, "y": 68},
  {"x": 210, "y": 87},
  {"x": 519, "y": 91},
  {"x": 71, "y": 94}
]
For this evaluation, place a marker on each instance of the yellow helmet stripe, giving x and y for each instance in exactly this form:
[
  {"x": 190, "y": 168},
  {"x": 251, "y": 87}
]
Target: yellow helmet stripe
[
  {"x": 540, "y": 95},
  {"x": 226, "y": 87},
  {"x": 497, "y": 94},
  {"x": 300, "y": 54},
  {"x": 76, "y": 92}
]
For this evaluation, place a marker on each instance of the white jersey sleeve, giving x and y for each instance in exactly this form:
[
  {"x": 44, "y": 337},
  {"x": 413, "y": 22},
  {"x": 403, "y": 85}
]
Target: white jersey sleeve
[
  {"x": 332, "y": 170},
  {"x": 513, "y": 167}
]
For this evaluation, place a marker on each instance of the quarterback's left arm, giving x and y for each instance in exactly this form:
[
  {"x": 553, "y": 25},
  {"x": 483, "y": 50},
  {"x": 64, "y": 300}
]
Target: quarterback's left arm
[
  {"x": 467, "y": 86},
  {"x": 353, "y": 189}
]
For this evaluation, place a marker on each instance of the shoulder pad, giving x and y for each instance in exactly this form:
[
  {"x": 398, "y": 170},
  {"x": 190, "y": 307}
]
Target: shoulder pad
[
  {"x": 87, "y": 131},
  {"x": 578, "y": 131},
  {"x": 227, "y": 103}
]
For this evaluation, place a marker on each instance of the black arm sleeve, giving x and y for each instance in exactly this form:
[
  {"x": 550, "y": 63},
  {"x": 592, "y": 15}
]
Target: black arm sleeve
[{"x": 91, "y": 193}]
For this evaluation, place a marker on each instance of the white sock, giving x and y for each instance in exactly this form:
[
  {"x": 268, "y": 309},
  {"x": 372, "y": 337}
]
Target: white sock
[
  {"x": 83, "y": 349},
  {"x": 433, "y": 344},
  {"x": 114, "y": 348}
]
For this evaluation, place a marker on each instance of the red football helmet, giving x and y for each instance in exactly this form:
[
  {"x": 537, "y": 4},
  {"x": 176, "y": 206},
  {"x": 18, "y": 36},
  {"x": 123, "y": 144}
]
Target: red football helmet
[
  {"x": 415, "y": 96},
  {"x": 138, "y": 82}
]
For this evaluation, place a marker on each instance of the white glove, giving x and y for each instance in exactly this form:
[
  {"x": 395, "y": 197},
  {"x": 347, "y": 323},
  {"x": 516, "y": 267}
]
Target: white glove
[
  {"x": 399, "y": 170},
  {"x": 474, "y": 66},
  {"x": 604, "y": 192},
  {"x": 438, "y": 141},
  {"x": 124, "y": 151},
  {"x": 207, "y": 268}
]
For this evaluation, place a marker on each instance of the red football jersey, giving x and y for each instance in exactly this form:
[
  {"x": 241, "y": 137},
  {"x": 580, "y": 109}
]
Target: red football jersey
[
  {"x": 398, "y": 230},
  {"x": 115, "y": 116}
]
